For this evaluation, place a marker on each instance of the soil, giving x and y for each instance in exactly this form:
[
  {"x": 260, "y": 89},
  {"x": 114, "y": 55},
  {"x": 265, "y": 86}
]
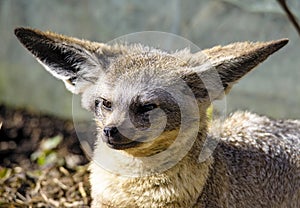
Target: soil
[{"x": 32, "y": 175}]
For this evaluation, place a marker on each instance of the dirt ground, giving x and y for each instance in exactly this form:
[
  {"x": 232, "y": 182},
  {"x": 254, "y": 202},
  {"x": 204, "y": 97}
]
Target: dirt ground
[{"x": 41, "y": 162}]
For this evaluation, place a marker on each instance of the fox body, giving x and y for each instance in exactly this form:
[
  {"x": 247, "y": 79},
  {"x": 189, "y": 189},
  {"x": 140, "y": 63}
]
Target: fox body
[{"x": 134, "y": 89}]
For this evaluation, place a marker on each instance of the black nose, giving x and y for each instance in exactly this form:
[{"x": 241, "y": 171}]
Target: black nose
[{"x": 110, "y": 131}]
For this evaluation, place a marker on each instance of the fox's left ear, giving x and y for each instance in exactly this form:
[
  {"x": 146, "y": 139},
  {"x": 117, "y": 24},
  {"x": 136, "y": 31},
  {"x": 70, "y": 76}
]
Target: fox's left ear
[
  {"x": 224, "y": 66},
  {"x": 76, "y": 62}
]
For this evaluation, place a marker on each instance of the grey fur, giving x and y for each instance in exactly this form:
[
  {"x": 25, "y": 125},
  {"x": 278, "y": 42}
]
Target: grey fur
[{"x": 257, "y": 164}]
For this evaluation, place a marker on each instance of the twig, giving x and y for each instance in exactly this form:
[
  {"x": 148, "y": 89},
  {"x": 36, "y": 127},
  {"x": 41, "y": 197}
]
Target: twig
[
  {"x": 82, "y": 192},
  {"x": 290, "y": 15},
  {"x": 60, "y": 184}
]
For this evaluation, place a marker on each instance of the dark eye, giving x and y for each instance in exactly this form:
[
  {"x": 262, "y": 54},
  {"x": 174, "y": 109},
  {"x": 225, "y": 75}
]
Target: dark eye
[
  {"x": 106, "y": 104},
  {"x": 146, "y": 108}
]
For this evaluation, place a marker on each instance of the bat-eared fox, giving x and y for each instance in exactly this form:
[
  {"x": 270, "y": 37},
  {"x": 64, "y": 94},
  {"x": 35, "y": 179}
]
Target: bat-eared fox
[{"x": 147, "y": 102}]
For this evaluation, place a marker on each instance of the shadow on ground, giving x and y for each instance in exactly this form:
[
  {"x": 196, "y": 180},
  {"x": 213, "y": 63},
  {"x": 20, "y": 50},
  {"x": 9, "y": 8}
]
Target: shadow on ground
[{"x": 41, "y": 162}]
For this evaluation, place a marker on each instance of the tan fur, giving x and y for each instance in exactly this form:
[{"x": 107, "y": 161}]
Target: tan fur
[
  {"x": 157, "y": 145},
  {"x": 256, "y": 162}
]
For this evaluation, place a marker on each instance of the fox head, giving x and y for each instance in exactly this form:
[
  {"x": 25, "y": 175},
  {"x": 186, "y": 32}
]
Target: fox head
[{"x": 138, "y": 93}]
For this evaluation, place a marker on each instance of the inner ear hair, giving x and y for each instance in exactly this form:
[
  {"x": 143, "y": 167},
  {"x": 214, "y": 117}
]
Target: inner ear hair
[{"x": 74, "y": 61}]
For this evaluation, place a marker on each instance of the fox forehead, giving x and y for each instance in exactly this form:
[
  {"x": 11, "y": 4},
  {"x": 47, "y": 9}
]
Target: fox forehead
[
  {"x": 138, "y": 56},
  {"x": 139, "y": 73},
  {"x": 144, "y": 64}
]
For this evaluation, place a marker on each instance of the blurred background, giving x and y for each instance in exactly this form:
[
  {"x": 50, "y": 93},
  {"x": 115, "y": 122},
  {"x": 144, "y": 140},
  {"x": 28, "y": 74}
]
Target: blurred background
[
  {"x": 273, "y": 89},
  {"x": 36, "y": 128},
  {"x": 35, "y": 105}
]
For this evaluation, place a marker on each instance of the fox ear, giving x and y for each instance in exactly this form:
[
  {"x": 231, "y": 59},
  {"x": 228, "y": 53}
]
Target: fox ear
[
  {"x": 224, "y": 66},
  {"x": 76, "y": 62}
]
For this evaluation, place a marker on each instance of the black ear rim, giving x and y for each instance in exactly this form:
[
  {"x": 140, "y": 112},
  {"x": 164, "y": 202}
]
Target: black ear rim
[
  {"x": 277, "y": 44},
  {"x": 30, "y": 37},
  {"x": 22, "y": 32}
]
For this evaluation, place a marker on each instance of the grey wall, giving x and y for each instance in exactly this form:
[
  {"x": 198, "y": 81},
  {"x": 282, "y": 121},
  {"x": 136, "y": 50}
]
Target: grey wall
[{"x": 273, "y": 89}]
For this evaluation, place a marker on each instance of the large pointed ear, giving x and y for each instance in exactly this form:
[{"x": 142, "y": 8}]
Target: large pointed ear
[
  {"x": 227, "y": 65},
  {"x": 76, "y": 62}
]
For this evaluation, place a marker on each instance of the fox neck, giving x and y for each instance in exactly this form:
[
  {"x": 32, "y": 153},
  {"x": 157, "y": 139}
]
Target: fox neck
[{"x": 179, "y": 186}]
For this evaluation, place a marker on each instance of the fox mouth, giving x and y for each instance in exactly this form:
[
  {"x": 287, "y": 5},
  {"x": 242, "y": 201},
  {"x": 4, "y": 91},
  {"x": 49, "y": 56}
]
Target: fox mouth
[
  {"x": 123, "y": 146},
  {"x": 120, "y": 146}
]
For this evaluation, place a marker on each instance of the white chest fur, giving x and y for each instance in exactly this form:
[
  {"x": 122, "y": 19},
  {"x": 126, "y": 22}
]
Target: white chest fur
[{"x": 179, "y": 186}]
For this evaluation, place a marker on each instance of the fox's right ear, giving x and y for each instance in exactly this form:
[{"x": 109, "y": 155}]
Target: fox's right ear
[{"x": 76, "y": 62}]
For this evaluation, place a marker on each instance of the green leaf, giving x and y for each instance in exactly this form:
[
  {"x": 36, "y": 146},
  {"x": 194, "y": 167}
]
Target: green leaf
[
  {"x": 51, "y": 143},
  {"x": 41, "y": 159},
  {"x": 5, "y": 173}
]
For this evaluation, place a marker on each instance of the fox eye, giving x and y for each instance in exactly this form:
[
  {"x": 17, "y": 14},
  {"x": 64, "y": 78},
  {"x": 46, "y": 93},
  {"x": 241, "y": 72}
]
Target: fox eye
[
  {"x": 147, "y": 107},
  {"x": 106, "y": 104},
  {"x": 103, "y": 103}
]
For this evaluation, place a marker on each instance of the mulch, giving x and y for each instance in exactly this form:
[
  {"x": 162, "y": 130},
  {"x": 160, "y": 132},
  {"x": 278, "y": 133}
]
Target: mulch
[{"x": 57, "y": 177}]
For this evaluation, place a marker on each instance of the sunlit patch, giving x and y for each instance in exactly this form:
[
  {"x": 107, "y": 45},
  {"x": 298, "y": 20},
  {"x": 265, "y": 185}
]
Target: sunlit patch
[{"x": 154, "y": 146}]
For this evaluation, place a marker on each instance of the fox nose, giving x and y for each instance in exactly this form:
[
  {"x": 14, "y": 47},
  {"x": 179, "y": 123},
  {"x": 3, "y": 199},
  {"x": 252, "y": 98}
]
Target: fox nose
[{"x": 110, "y": 131}]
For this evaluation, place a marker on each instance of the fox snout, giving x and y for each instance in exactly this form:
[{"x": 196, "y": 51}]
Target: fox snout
[
  {"x": 116, "y": 140},
  {"x": 110, "y": 131}
]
